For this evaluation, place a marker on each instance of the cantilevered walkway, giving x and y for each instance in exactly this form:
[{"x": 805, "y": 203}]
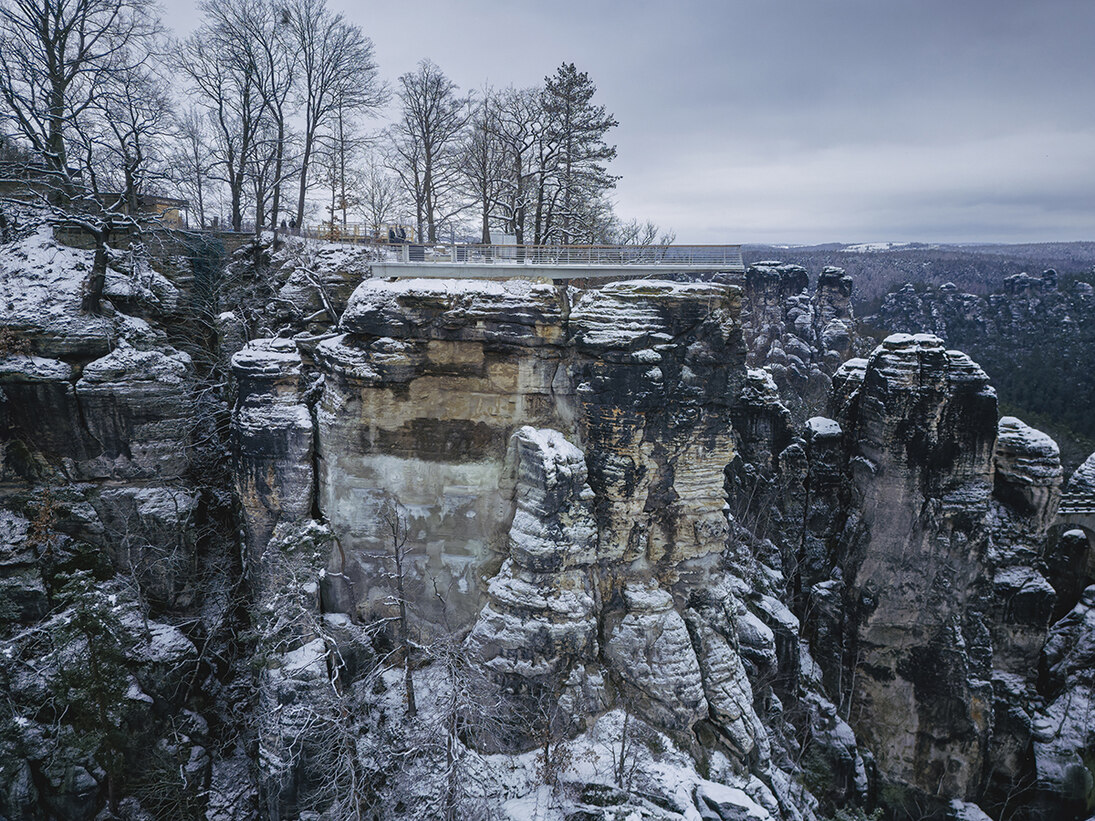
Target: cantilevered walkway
[
  {"x": 555, "y": 261},
  {"x": 1078, "y": 510}
]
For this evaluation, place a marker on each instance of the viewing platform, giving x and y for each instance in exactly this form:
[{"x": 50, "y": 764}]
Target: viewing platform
[
  {"x": 1077, "y": 504},
  {"x": 466, "y": 261},
  {"x": 1077, "y": 510}
]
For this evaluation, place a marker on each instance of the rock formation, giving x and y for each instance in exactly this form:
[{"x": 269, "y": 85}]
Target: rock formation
[
  {"x": 669, "y": 552},
  {"x": 99, "y": 526},
  {"x": 1009, "y": 334},
  {"x": 559, "y": 457},
  {"x": 920, "y": 430},
  {"x": 799, "y": 337}
]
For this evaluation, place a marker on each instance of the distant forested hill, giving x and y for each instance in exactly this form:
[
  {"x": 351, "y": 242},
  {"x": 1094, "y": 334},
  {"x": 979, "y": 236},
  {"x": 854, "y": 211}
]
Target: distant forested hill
[
  {"x": 1035, "y": 337},
  {"x": 976, "y": 269}
]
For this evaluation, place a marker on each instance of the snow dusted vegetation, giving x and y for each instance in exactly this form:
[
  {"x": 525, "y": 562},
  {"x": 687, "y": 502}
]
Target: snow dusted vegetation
[
  {"x": 881, "y": 247},
  {"x": 511, "y": 549},
  {"x": 302, "y": 520}
]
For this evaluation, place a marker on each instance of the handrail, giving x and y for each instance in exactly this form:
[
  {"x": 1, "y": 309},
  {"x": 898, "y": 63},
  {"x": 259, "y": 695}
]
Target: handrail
[
  {"x": 710, "y": 257},
  {"x": 1073, "y": 502},
  {"x": 706, "y": 256}
]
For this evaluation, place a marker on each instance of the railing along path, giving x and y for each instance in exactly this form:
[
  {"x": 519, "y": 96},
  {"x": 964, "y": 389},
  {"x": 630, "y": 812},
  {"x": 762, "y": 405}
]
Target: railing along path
[
  {"x": 1076, "y": 503},
  {"x": 554, "y": 261}
]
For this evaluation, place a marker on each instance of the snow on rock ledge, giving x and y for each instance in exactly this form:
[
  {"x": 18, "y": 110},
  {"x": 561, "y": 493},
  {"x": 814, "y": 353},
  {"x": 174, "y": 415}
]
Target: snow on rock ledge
[
  {"x": 273, "y": 426},
  {"x": 512, "y": 311},
  {"x": 41, "y": 288},
  {"x": 1083, "y": 480},
  {"x": 1028, "y": 469},
  {"x": 648, "y": 646}
]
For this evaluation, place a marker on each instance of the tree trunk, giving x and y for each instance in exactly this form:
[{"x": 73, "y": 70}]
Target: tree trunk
[
  {"x": 567, "y": 198},
  {"x": 412, "y": 707},
  {"x": 96, "y": 281},
  {"x": 342, "y": 167},
  {"x": 450, "y": 760},
  {"x": 537, "y": 236},
  {"x": 237, "y": 201},
  {"x": 56, "y": 146},
  {"x": 279, "y": 160},
  {"x": 305, "y": 159},
  {"x": 430, "y": 206},
  {"x": 131, "y": 204}
]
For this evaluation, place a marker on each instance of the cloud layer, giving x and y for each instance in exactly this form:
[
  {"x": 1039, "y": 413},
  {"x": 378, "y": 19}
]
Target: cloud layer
[{"x": 798, "y": 120}]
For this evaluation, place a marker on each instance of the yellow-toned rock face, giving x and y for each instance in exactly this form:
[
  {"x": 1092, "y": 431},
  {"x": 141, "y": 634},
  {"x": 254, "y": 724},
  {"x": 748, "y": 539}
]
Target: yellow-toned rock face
[
  {"x": 922, "y": 425},
  {"x": 656, "y": 366},
  {"x": 431, "y": 380}
]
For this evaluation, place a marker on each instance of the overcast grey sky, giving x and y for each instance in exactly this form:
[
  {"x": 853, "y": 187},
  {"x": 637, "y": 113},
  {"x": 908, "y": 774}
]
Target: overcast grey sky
[{"x": 800, "y": 121}]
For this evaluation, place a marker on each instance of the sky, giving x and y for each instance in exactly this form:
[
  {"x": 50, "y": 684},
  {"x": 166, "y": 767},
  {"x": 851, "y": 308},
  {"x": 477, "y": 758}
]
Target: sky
[{"x": 799, "y": 121}]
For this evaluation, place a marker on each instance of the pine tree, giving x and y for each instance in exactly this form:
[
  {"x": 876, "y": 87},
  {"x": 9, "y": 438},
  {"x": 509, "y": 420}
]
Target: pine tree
[
  {"x": 92, "y": 691},
  {"x": 580, "y": 127}
]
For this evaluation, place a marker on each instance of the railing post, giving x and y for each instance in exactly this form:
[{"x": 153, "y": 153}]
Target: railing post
[{"x": 405, "y": 252}]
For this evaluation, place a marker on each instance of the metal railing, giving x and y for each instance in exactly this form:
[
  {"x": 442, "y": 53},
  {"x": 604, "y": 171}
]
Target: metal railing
[
  {"x": 1074, "y": 503},
  {"x": 721, "y": 257},
  {"x": 359, "y": 233}
]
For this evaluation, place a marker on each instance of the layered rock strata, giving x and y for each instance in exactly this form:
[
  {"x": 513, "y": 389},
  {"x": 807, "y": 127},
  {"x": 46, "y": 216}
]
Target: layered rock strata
[
  {"x": 563, "y": 460},
  {"x": 1034, "y": 338},
  {"x": 917, "y": 526},
  {"x": 422, "y": 394},
  {"x": 273, "y": 428},
  {"x": 431, "y": 379},
  {"x": 538, "y": 632},
  {"x": 558, "y": 460},
  {"x": 921, "y": 429},
  {"x": 1064, "y": 733},
  {"x": 800, "y": 337},
  {"x": 99, "y": 525}
]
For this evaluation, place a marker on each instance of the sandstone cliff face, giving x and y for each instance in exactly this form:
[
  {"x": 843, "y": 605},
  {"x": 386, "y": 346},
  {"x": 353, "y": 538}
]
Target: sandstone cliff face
[
  {"x": 657, "y": 368},
  {"x": 564, "y": 458},
  {"x": 1064, "y": 734},
  {"x": 98, "y": 531},
  {"x": 421, "y": 396},
  {"x": 1032, "y": 338},
  {"x": 274, "y": 431},
  {"x": 637, "y": 581},
  {"x": 432, "y": 378},
  {"x": 800, "y": 337},
  {"x": 538, "y": 631},
  {"x": 917, "y": 527},
  {"x": 430, "y": 385},
  {"x": 558, "y": 456},
  {"x": 921, "y": 429}
]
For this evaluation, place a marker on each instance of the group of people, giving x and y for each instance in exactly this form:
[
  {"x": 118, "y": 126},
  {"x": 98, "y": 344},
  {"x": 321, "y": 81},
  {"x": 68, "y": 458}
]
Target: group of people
[{"x": 396, "y": 234}]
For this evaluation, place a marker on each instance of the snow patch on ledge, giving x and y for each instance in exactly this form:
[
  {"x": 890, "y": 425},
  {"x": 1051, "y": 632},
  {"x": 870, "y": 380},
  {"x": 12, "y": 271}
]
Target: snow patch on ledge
[{"x": 823, "y": 426}]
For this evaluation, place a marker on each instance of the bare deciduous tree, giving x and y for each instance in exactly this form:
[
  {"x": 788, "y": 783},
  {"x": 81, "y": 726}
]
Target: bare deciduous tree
[
  {"x": 484, "y": 161},
  {"x": 337, "y": 71},
  {"x": 425, "y": 141},
  {"x": 54, "y": 60},
  {"x": 642, "y": 234},
  {"x": 132, "y": 118},
  {"x": 394, "y": 521},
  {"x": 515, "y": 126},
  {"x": 343, "y": 146},
  {"x": 277, "y": 63},
  {"x": 381, "y": 196},
  {"x": 72, "y": 78},
  {"x": 221, "y": 61},
  {"x": 190, "y": 161}
]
